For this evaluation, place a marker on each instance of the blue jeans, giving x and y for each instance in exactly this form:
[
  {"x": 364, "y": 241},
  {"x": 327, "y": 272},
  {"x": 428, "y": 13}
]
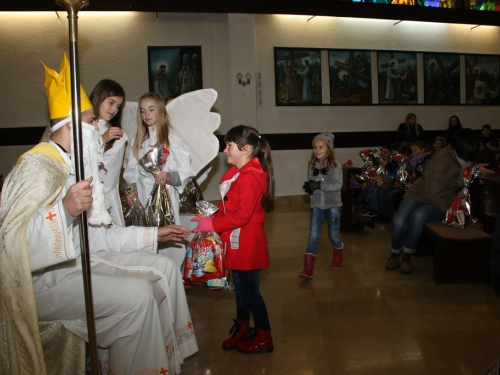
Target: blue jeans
[
  {"x": 408, "y": 223},
  {"x": 333, "y": 219},
  {"x": 249, "y": 301}
]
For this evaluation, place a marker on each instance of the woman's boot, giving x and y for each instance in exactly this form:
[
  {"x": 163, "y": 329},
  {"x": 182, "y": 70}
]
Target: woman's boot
[
  {"x": 239, "y": 331},
  {"x": 260, "y": 342},
  {"x": 307, "y": 272},
  {"x": 338, "y": 259}
]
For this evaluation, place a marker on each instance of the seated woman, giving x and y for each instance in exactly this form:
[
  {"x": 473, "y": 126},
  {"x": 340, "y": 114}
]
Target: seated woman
[
  {"x": 454, "y": 125},
  {"x": 410, "y": 131},
  {"x": 430, "y": 197}
]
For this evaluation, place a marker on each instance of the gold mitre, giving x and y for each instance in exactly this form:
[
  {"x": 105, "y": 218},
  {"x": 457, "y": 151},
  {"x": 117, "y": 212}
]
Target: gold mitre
[{"x": 58, "y": 89}]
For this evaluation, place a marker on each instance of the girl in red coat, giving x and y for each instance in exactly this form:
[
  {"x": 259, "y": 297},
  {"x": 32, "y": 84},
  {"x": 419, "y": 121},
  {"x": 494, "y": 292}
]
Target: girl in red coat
[{"x": 247, "y": 191}]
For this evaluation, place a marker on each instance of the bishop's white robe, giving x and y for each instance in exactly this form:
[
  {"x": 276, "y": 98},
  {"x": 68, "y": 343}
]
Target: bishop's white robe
[{"x": 140, "y": 306}]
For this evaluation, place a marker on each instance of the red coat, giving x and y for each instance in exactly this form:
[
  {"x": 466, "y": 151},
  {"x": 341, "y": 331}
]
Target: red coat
[{"x": 240, "y": 219}]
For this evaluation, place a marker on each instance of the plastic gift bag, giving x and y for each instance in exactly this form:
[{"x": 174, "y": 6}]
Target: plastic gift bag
[
  {"x": 158, "y": 210},
  {"x": 205, "y": 261},
  {"x": 191, "y": 194},
  {"x": 460, "y": 213},
  {"x": 133, "y": 215},
  {"x": 402, "y": 173}
]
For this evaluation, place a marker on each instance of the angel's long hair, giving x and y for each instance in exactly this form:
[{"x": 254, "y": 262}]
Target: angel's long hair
[{"x": 162, "y": 125}]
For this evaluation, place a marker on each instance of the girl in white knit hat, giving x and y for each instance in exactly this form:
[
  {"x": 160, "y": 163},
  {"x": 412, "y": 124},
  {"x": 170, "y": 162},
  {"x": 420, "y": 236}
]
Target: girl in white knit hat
[{"x": 324, "y": 182}]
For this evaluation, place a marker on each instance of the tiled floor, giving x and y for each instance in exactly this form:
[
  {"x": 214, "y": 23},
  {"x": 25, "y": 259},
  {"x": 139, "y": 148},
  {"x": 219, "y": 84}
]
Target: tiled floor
[{"x": 360, "y": 319}]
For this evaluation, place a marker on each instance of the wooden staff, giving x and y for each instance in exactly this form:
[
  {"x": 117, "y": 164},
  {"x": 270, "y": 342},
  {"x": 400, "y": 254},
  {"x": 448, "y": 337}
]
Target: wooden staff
[{"x": 72, "y": 7}]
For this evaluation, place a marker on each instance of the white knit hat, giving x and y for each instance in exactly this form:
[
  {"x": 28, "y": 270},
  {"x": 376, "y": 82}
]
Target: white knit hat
[{"x": 327, "y": 137}]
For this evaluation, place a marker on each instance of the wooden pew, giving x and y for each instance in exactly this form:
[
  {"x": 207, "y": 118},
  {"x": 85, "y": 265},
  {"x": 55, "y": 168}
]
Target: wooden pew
[{"x": 462, "y": 255}]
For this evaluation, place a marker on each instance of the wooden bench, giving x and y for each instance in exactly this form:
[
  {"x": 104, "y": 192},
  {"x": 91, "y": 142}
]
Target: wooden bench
[{"x": 460, "y": 255}]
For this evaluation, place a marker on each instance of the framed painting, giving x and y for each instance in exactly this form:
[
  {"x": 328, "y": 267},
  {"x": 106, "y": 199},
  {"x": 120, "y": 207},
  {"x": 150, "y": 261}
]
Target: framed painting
[
  {"x": 297, "y": 74},
  {"x": 482, "y": 79},
  {"x": 350, "y": 77},
  {"x": 442, "y": 78},
  {"x": 397, "y": 77},
  {"x": 174, "y": 70}
]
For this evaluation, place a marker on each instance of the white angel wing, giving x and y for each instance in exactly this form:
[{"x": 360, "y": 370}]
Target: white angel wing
[{"x": 192, "y": 120}]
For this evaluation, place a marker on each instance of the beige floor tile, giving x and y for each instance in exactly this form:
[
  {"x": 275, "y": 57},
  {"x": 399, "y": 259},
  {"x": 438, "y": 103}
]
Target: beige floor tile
[{"x": 358, "y": 320}]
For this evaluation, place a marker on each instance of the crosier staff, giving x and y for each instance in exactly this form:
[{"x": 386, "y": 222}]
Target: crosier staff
[{"x": 72, "y": 7}]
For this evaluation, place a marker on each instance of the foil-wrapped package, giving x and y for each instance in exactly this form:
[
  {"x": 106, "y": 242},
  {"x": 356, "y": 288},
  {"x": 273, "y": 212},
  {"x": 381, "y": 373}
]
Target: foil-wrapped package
[
  {"x": 459, "y": 213},
  {"x": 133, "y": 215},
  {"x": 402, "y": 173},
  {"x": 191, "y": 194},
  {"x": 368, "y": 170},
  {"x": 158, "y": 210},
  {"x": 205, "y": 260}
]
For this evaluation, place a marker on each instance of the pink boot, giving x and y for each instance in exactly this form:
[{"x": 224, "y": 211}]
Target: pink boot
[
  {"x": 307, "y": 272},
  {"x": 338, "y": 259}
]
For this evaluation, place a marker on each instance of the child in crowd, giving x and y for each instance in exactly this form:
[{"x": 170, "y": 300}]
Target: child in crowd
[
  {"x": 247, "y": 191},
  {"x": 419, "y": 158},
  {"x": 438, "y": 144},
  {"x": 154, "y": 130},
  {"x": 324, "y": 185},
  {"x": 108, "y": 99},
  {"x": 486, "y": 135}
]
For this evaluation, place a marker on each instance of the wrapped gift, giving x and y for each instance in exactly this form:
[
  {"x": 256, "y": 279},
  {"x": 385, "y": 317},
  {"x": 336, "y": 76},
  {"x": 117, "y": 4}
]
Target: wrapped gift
[
  {"x": 402, "y": 174},
  {"x": 158, "y": 210},
  {"x": 459, "y": 213},
  {"x": 205, "y": 261},
  {"x": 191, "y": 194},
  {"x": 133, "y": 215}
]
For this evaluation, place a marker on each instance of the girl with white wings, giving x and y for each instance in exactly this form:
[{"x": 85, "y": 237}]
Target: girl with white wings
[{"x": 154, "y": 130}]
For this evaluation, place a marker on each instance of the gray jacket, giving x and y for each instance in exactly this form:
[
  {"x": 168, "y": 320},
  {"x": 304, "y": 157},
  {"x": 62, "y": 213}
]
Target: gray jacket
[{"x": 328, "y": 195}]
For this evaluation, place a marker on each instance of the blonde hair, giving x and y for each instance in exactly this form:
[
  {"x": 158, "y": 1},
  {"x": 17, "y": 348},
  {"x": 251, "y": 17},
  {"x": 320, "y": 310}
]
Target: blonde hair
[
  {"x": 407, "y": 123},
  {"x": 330, "y": 160},
  {"x": 162, "y": 125}
]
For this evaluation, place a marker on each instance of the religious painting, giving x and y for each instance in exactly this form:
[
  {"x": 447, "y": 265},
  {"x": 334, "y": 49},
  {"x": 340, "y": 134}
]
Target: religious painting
[
  {"x": 174, "y": 70},
  {"x": 350, "y": 77},
  {"x": 442, "y": 78},
  {"x": 482, "y": 79},
  {"x": 297, "y": 74},
  {"x": 397, "y": 77}
]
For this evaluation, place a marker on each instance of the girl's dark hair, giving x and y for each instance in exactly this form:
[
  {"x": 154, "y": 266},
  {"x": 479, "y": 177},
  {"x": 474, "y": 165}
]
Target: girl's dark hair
[
  {"x": 420, "y": 144},
  {"x": 243, "y": 135},
  {"x": 405, "y": 150},
  {"x": 104, "y": 89},
  {"x": 459, "y": 124},
  {"x": 465, "y": 142}
]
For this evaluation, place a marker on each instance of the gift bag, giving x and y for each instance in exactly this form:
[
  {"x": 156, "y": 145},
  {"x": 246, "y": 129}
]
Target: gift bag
[
  {"x": 133, "y": 215},
  {"x": 205, "y": 261},
  {"x": 459, "y": 213},
  {"x": 158, "y": 210},
  {"x": 191, "y": 194}
]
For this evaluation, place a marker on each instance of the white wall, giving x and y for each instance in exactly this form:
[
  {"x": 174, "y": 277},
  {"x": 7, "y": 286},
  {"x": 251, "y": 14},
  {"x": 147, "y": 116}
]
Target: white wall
[{"x": 114, "y": 45}]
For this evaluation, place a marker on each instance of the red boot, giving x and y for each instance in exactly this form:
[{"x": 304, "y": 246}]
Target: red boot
[
  {"x": 338, "y": 259},
  {"x": 260, "y": 342},
  {"x": 307, "y": 272},
  {"x": 240, "y": 331}
]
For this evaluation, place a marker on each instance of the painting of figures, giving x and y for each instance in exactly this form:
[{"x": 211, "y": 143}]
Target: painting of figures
[
  {"x": 297, "y": 73},
  {"x": 482, "y": 85},
  {"x": 350, "y": 77},
  {"x": 174, "y": 70},
  {"x": 442, "y": 78},
  {"x": 397, "y": 77}
]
